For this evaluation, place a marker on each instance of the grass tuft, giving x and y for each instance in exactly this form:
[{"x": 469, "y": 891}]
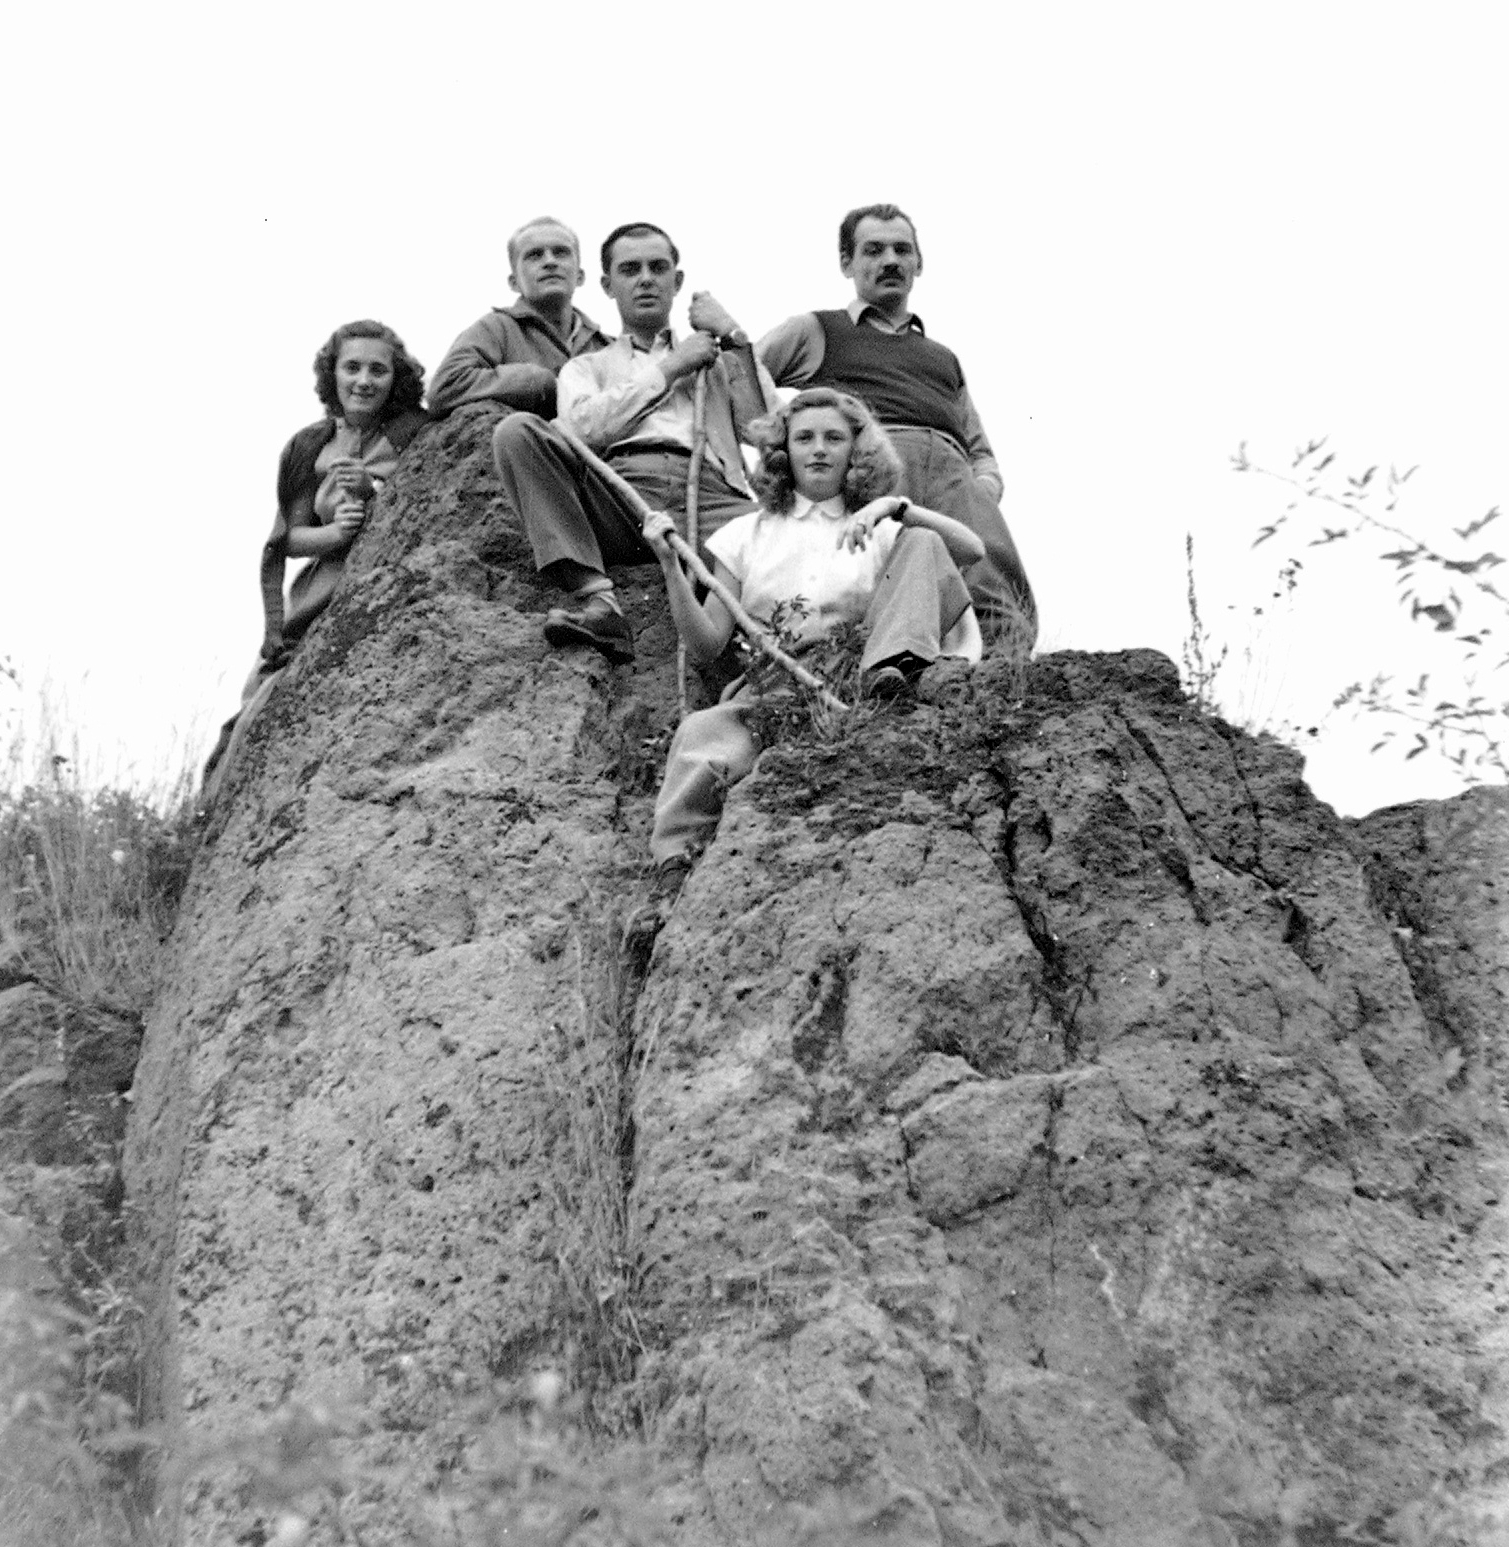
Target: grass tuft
[{"x": 591, "y": 1084}]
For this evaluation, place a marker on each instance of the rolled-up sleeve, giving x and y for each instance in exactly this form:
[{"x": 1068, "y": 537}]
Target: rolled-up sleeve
[
  {"x": 982, "y": 460},
  {"x": 793, "y": 350}
]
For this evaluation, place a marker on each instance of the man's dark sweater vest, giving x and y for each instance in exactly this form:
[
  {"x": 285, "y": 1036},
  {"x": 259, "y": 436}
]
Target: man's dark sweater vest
[{"x": 905, "y": 377}]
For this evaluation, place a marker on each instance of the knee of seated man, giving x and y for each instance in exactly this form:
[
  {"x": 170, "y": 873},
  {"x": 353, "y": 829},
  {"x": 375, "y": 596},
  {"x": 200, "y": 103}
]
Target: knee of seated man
[{"x": 514, "y": 430}]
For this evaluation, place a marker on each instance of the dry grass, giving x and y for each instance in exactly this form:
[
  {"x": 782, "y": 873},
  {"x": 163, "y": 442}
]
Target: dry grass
[
  {"x": 89, "y": 883},
  {"x": 591, "y": 1086},
  {"x": 90, "y": 879}
]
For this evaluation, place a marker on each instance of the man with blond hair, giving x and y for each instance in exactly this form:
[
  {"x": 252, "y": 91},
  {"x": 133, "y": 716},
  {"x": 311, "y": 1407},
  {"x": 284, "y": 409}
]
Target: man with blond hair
[
  {"x": 877, "y": 349},
  {"x": 513, "y": 355},
  {"x": 634, "y": 405}
]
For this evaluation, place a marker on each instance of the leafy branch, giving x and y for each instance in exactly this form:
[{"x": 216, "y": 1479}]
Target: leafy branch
[{"x": 1453, "y": 592}]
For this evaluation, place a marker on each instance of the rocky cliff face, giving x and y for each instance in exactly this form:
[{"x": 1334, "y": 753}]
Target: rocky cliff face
[{"x": 1040, "y": 1122}]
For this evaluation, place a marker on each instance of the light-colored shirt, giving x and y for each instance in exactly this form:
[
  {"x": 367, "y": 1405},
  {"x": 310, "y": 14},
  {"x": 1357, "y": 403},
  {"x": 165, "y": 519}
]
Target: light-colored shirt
[
  {"x": 776, "y": 558},
  {"x": 619, "y": 396},
  {"x": 793, "y": 352}
]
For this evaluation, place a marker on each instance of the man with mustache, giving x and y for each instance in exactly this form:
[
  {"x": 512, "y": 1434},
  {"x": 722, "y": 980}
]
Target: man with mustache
[
  {"x": 877, "y": 349},
  {"x": 633, "y": 404},
  {"x": 512, "y": 356}
]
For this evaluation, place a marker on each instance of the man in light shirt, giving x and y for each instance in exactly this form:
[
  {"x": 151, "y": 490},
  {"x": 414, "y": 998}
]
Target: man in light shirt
[
  {"x": 511, "y": 356},
  {"x": 632, "y": 403},
  {"x": 878, "y": 350}
]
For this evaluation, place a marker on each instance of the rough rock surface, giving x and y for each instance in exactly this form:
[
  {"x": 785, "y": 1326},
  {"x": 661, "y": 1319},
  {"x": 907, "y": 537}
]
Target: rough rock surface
[
  {"x": 1044, "y": 1128},
  {"x": 351, "y": 1107},
  {"x": 1049, "y": 1124}
]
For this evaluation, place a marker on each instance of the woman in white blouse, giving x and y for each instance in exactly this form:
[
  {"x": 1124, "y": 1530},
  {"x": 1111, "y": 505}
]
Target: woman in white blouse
[{"x": 831, "y": 534}]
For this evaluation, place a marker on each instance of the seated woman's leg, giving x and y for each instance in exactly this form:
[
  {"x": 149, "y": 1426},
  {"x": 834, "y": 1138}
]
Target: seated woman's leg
[
  {"x": 713, "y": 748},
  {"x": 921, "y": 596}
]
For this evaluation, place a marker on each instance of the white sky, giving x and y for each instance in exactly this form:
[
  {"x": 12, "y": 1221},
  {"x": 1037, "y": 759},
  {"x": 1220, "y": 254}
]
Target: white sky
[{"x": 1151, "y": 232}]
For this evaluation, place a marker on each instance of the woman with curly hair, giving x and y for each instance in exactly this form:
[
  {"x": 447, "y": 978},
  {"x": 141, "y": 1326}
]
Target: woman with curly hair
[
  {"x": 328, "y": 476},
  {"x": 830, "y": 533}
]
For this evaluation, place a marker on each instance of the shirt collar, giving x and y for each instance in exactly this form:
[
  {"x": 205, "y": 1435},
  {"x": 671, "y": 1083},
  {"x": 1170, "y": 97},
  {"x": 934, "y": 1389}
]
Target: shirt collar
[
  {"x": 832, "y": 509},
  {"x": 580, "y": 321},
  {"x": 664, "y": 339},
  {"x": 858, "y": 310}
]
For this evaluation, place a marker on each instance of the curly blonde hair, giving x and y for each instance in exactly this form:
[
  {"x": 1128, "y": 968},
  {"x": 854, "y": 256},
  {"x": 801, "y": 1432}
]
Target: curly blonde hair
[{"x": 874, "y": 467}]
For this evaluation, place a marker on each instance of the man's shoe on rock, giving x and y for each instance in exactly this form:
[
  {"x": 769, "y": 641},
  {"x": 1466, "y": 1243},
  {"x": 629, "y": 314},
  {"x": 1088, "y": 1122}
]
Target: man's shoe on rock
[{"x": 596, "y": 622}]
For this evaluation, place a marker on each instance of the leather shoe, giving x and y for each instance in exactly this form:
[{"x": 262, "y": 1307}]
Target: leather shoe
[
  {"x": 597, "y": 623},
  {"x": 893, "y": 678},
  {"x": 885, "y": 682}
]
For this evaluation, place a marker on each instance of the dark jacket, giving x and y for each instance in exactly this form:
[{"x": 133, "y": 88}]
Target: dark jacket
[{"x": 298, "y": 483}]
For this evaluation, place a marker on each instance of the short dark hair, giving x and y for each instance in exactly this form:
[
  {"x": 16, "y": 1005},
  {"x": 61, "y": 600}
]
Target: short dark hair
[
  {"x": 408, "y": 373},
  {"x": 850, "y": 224},
  {"x": 635, "y": 228}
]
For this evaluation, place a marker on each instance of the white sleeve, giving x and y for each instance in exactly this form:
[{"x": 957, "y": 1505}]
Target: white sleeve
[
  {"x": 730, "y": 545},
  {"x": 604, "y": 411}
]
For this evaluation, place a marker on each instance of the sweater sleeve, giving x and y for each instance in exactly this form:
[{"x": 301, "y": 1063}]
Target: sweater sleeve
[
  {"x": 982, "y": 459},
  {"x": 793, "y": 350},
  {"x": 489, "y": 362}
]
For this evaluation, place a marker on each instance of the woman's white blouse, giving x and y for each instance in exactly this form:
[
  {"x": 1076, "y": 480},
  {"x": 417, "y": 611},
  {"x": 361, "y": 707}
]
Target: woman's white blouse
[{"x": 778, "y": 558}]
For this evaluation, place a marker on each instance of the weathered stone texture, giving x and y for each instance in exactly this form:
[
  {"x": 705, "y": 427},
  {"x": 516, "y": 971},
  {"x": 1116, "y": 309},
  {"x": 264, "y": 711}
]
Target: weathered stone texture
[
  {"x": 1051, "y": 1125},
  {"x": 349, "y": 1098},
  {"x": 1042, "y": 1124}
]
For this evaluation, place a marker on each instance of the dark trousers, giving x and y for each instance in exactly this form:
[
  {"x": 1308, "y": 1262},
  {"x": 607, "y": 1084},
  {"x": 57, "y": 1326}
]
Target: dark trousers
[
  {"x": 571, "y": 512},
  {"x": 938, "y": 477}
]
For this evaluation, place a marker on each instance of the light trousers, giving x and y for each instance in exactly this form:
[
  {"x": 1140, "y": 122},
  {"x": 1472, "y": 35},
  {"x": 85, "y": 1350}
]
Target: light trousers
[{"x": 921, "y": 598}]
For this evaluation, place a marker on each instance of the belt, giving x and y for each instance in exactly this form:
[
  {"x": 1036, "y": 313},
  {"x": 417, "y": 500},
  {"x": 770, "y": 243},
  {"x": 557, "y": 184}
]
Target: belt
[
  {"x": 649, "y": 448},
  {"x": 930, "y": 429}
]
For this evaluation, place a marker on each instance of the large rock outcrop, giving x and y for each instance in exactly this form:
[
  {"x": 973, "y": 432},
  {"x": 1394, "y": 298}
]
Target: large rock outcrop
[{"x": 1040, "y": 1122}]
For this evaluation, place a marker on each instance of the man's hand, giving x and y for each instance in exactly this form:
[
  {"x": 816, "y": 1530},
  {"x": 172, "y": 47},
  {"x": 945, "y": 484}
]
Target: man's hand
[
  {"x": 709, "y": 315},
  {"x": 688, "y": 357},
  {"x": 657, "y": 528},
  {"x": 530, "y": 389}
]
